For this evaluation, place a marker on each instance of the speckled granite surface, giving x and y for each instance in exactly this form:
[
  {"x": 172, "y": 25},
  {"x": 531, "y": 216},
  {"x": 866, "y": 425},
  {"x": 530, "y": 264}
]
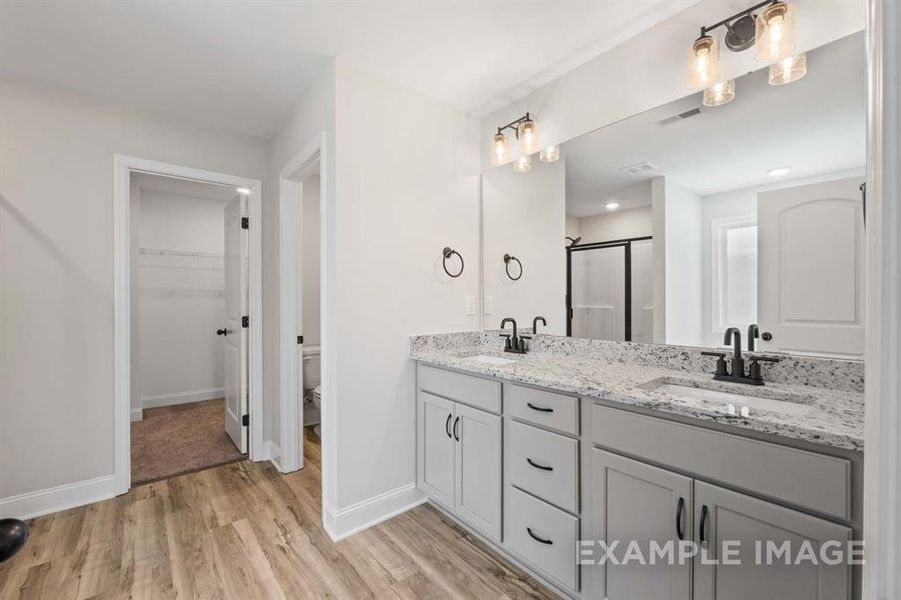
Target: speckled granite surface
[{"x": 826, "y": 395}]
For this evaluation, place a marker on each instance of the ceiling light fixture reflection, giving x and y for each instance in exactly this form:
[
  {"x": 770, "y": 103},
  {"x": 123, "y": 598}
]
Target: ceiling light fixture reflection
[
  {"x": 550, "y": 153},
  {"x": 243, "y": 191},
  {"x": 611, "y": 205},
  {"x": 523, "y": 164},
  {"x": 500, "y": 152},
  {"x": 788, "y": 69},
  {"x": 779, "y": 171},
  {"x": 720, "y": 93}
]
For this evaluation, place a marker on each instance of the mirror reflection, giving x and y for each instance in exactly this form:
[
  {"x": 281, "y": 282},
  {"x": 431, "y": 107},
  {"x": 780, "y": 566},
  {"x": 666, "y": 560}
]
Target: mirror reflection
[{"x": 678, "y": 223}]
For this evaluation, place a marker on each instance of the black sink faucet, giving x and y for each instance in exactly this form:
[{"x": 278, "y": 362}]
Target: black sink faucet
[
  {"x": 754, "y": 375},
  {"x": 514, "y": 343},
  {"x": 753, "y": 334},
  {"x": 535, "y": 324},
  {"x": 733, "y": 336}
]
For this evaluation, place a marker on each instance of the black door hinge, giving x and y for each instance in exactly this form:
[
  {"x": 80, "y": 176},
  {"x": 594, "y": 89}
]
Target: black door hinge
[
  {"x": 245, "y": 223},
  {"x": 245, "y": 421},
  {"x": 300, "y": 339},
  {"x": 245, "y": 321}
]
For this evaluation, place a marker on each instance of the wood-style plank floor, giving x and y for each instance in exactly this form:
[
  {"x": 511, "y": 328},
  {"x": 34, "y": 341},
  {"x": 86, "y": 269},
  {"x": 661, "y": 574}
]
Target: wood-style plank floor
[{"x": 244, "y": 531}]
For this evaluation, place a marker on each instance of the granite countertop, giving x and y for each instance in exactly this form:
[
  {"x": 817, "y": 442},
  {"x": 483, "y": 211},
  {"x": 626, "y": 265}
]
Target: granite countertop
[{"x": 822, "y": 416}]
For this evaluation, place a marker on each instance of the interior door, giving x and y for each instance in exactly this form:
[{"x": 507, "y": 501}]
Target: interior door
[
  {"x": 438, "y": 451},
  {"x": 811, "y": 268},
  {"x": 748, "y": 523},
  {"x": 599, "y": 293},
  {"x": 635, "y": 501},
  {"x": 478, "y": 490},
  {"x": 236, "y": 251}
]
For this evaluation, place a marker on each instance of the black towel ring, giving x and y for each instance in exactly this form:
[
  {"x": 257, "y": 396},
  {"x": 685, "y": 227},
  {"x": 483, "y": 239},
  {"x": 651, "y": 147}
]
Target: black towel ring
[
  {"x": 508, "y": 258},
  {"x": 447, "y": 253}
]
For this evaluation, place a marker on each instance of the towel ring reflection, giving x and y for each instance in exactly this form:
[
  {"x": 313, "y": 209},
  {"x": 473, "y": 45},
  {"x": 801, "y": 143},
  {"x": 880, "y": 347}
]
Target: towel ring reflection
[
  {"x": 508, "y": 258},
  {"x": 447, "y": 253}
]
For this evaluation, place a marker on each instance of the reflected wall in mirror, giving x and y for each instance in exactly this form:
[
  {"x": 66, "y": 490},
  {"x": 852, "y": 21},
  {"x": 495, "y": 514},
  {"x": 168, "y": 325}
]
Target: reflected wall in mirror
[{"x": 672, "y": 225}]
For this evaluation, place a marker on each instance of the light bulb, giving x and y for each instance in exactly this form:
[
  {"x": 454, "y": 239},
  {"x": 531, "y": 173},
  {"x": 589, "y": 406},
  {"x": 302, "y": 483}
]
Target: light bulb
[
  {"x": 775, "y": 29},
  {"x": 527, "y": 134},
  {"x": 788, "y": 69},
  {"x": 703, "y": 62},
  {"x": 720, "y": 93},
  {"x": 500, "y": 153},
  {"x": 523, "y": 164},
  {"x": 550, "y": 154},
  {"x": 611, "y": 205}
]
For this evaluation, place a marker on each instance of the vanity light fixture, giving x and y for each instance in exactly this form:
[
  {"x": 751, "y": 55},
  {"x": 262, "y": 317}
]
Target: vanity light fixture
[
  {"x": 775, "y": 33},
  {"x": 703, "y": 61},
  {"x": 611, "y": 205},
  {"x": 550, "y": 153},
  {"x": 523, "y": 164},
  {"x": 779, "y": 171},
  {"x": 788, "y": 69},
  {"x": 720, "y": 93},
  {"x": 526, "y": 139}
]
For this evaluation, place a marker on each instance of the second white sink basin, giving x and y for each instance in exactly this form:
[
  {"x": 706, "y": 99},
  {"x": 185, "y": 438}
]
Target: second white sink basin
[
  {"x": 737, "y": 400},
  {"x": 494, "y": 361}
]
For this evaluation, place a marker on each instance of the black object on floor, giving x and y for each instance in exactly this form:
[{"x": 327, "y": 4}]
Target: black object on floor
[{"x": 13, "y": 534}]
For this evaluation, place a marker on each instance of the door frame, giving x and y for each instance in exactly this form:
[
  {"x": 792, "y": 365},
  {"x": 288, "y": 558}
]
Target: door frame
[
  {"x": 626, "y": 244},
  {"x": 288, "y": 456},
  {"x": 123, "y": 167}
]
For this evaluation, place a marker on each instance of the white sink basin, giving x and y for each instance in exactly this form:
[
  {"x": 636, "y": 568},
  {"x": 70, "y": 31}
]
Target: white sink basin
[
  {"x": 738, "y": 401},
  {"x": 494, "y": 361}
]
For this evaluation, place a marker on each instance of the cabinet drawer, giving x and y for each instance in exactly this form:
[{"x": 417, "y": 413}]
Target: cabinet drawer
[
  {"x": 475, "y": 391},
  {"x": 543, "y": 536},
  {"x": 547, "y": 409},
  {"x": 545, "y": 464},
  {"x": 813, "y": 481}
]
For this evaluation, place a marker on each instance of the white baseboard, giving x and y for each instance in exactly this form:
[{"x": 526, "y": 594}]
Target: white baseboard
[
  {"x": 55, "y": 499},
  {"x": 136, "y": 414},
  {"x": 342, "y": 523},
  {"x": 182, "y": 397}
]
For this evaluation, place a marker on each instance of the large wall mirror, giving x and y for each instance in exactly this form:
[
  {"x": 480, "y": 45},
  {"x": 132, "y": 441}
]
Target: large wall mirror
[{"x": 674, "y": 224}]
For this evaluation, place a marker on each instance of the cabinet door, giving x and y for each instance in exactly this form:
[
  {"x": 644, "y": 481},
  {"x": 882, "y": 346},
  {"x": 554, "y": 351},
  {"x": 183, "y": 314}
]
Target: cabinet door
[
  {"x": 746, "y": 524},
  {"x": 438, "y": 452},
  {"x": 636, "y": 502},
  {"x": 478, "y": 500}
]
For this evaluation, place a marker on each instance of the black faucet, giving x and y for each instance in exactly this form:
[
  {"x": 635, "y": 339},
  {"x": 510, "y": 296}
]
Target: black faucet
[
  {"x": 754, "y": 375},
  {"x": 753, "y": 334},
  {"x": 514, "y": 343},
  {"x": 535, "y": 324}
]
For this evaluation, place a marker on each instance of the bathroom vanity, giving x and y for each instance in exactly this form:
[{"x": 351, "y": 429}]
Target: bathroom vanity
[{"x": 544, "y": 455}]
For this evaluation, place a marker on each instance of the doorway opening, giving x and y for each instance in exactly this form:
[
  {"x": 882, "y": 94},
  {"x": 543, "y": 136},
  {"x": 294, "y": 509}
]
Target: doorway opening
[{"x": 188, "y": 297}]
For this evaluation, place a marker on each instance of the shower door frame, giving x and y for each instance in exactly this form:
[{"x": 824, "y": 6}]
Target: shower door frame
[{"x": 626, "y": 244}]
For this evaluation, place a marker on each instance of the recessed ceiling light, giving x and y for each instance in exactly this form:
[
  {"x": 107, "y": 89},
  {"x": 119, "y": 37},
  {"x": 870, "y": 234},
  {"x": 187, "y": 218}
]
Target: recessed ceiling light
[
  {"x": 611, "y": 205},
  {"x": 243, "y": 191},
  {"x": 779, "y": 171}
]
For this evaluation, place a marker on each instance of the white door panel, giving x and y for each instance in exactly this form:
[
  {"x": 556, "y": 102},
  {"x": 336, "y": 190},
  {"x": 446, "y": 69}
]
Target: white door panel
[
  {"x": 811, "y": 268},
  {"x": 236, "y": 252}
]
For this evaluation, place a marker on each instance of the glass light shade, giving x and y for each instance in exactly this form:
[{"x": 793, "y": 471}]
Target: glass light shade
[
  {"x": 523, "y": 164},
  {"x": 550, "y": 153},
  {"x": 720, "y": 93},
  {"x": 500, "y": 152},
  {"x": 788, "y": 69},
  {"x": 527, "y": 134},
  {"x": 775, "y": 30},
  {"x": 703, "y": 65}
]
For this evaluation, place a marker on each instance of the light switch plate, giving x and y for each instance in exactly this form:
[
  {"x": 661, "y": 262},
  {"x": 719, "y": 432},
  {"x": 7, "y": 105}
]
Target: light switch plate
[
  {"x": 489, "y": 305},
  {"x": 470, "y": 305}
]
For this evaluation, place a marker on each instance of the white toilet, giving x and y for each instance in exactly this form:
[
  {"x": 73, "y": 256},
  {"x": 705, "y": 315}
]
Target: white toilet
[
  {"x": 317, "y": 399},
  {"x": 311, "y": 379}
]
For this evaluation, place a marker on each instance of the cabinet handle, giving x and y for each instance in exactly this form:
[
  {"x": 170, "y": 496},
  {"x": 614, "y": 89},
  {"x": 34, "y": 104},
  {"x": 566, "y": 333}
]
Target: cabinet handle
[
  {"x": 456, "y": 421},
  {"x": 702, "y": 530},
  {"x": 539, "y": 408},
  {"x": 680, "y": 512},
  {"x": 447, "y": 425},
  {"x": 537, "y": 466},
  {"x": 538, "y": 539}
]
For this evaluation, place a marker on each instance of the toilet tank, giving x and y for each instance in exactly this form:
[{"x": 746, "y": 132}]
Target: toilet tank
[{"x": 311, "y": 367}]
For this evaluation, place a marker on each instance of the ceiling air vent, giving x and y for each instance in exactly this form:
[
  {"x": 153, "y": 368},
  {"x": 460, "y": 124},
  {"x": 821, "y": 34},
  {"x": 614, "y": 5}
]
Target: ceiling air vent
[
  {"x": 639, "y": 168},
  {"x": 680, "y": 117}
]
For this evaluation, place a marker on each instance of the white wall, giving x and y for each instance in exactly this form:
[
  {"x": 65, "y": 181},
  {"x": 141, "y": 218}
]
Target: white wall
[
  {"x": 182, "y": 301},
  {"x": 617, "y": 225},
  {"x": 56, "y": 269},
  {"x": 524, "y": 215},
  {"x": 310, "y": 268}
]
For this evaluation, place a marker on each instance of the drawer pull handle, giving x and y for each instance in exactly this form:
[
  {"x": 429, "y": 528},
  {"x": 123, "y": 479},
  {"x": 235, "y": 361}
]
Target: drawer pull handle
[
  {"x": 537, "y": 538},
  {"x": 680, "y": 512},
  {"x": 456, "y": 422},
  {"x": 702, "y": 530},
  {"x": 447, "y": 425},
  {"x": 539, "y": 408},
  {"x": 537, "y": 466}
]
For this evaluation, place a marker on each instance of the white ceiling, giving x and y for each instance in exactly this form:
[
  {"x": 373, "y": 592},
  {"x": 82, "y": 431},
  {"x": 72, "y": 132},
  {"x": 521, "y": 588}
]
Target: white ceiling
[
  {"x": 184, "y": 187},
  {"x": 242, "y": 65},
  {"x": 815, "y": 125}
]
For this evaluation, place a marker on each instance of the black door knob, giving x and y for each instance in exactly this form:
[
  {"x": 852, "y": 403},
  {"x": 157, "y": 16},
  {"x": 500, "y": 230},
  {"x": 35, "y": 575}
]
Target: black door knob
[{"x": 222, "y": 332}]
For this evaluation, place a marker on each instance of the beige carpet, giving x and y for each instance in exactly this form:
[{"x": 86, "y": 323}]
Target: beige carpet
[{"x": 172, "y": 440}]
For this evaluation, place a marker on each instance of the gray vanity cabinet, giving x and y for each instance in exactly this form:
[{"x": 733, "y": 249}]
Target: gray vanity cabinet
[
  {"x": 478, "y": 473},
  {"x": 731, "y": 516},
  {"x": 438, "y": 449},
  {"x": 641, "y": 503}
]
